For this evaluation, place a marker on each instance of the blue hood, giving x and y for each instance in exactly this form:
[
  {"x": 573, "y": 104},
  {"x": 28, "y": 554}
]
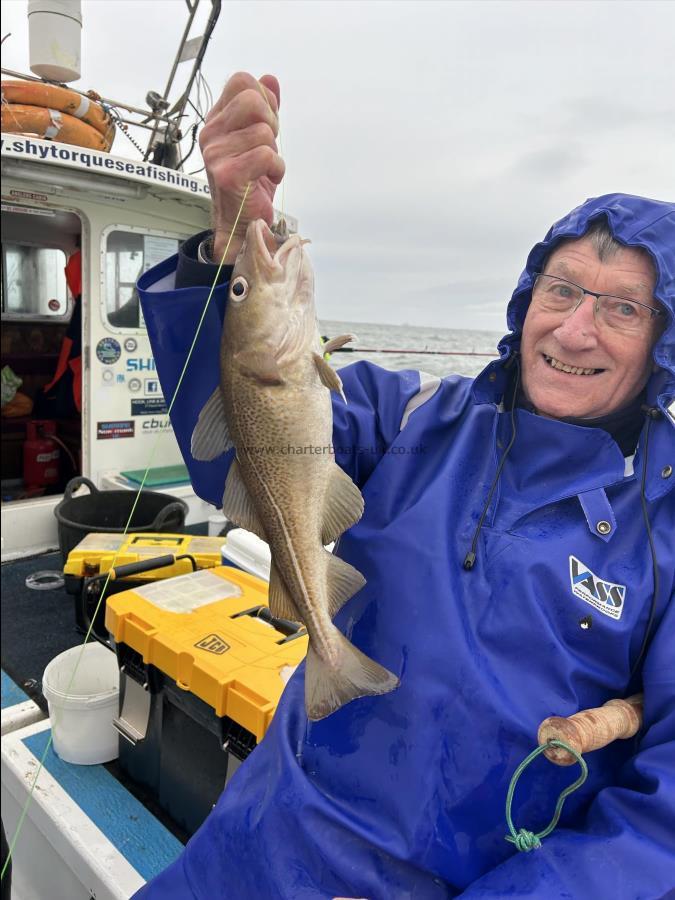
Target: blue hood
[{"x": 636, "y": 222}]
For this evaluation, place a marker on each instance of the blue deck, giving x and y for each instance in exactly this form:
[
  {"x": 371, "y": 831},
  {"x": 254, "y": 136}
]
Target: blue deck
[
  {"x": 146, "y": 844},
  {"x": 11, "y": 692}
]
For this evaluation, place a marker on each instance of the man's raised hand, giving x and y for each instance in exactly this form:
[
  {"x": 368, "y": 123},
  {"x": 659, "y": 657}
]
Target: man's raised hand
[{"x": 238, "y": 145}]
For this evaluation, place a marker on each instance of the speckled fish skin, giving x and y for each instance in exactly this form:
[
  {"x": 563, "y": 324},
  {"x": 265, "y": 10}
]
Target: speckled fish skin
[{"x": 278, "y": 411}]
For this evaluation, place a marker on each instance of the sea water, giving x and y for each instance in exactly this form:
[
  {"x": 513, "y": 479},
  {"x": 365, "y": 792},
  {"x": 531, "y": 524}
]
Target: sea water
[{"x": 457, "y": 347}]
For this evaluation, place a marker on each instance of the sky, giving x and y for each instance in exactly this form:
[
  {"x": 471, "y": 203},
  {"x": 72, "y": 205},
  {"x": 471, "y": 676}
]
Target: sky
[{"x": 428, "y": 145}]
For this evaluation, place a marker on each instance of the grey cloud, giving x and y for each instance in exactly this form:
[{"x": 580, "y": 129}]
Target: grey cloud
[{"x": 551, "y": 163}]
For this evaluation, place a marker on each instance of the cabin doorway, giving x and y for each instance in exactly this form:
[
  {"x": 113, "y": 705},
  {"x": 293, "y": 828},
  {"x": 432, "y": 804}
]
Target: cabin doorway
[{"x": 41, "y": 350}]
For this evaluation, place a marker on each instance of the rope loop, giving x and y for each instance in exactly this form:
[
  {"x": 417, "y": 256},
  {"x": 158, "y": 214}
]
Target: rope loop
[{"x": 527, "y": 840}]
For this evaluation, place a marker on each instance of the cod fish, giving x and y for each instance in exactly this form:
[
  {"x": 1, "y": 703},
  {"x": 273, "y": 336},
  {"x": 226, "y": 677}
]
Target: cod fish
[{"x": 273, "y": 406}]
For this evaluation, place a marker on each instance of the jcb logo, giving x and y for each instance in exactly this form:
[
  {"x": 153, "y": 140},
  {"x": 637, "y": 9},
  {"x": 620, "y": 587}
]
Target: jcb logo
[
  {"x": 606, "y": 597},
  {"x": 213, "y": 644}
]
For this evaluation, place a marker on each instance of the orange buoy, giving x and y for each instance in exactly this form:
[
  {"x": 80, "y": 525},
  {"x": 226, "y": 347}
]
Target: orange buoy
[
  {"x": 37, "y": 93},
  {"x": 52, "y": 124}
]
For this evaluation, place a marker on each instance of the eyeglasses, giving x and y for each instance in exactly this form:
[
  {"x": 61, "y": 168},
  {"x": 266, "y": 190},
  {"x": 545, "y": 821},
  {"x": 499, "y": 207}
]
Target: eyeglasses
[{"x": 555, "y": 294}]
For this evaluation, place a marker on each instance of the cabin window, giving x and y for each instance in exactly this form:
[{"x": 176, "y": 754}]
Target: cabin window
[
  {"x": 128, "y": 254},
  {"x": 33, "y": 282}
]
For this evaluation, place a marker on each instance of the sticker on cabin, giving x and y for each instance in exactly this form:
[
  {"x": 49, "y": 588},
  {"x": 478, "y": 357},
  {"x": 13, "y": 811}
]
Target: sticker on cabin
[
  {"x": 108, "y": 351},
  {"x": 27, "y": 210},
  {"x": 141, "y": 365},
  {"x": 151, "y": 407},
  {"x": 106, "y": 431},
  {"x": 130, "y": 344},
  {"x": 134, "y": 387},
  {"x": 151, "y": 388},
  {"x": 28, "y": 195},
  {"x": 213, "y": 643},
  {"x": 153, "y": 425}
]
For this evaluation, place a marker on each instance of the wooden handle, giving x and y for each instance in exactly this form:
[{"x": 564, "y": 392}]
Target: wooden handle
[{"x": 591, "y": 729}]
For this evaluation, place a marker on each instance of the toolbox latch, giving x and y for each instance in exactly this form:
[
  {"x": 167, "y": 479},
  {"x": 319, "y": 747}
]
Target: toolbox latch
[{"x": 132, "y": 723}]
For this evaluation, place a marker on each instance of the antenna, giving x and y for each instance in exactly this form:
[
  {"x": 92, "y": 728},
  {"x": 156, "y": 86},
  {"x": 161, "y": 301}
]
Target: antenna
[
  {"x": 164, "y": 142},
  {"x": 163, "y": 123}
]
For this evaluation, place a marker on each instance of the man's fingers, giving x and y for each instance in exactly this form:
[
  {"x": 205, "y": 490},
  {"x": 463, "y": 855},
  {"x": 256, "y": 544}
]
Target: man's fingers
[
  {"x": 240, "y": 81},
  {"x": 235, "y": 173},
  {"x": 243, "y": 81},
  {"x": 271, "y": 84},
  {"x": 238, "y": 144},
  {"x": 246, "y": 108},
  {"x": 261, "y": 162},
  {"x": 220, "y": 146}
]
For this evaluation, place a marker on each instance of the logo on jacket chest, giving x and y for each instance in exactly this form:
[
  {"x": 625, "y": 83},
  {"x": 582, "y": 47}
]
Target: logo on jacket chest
[{"x": 606, "y": 597}]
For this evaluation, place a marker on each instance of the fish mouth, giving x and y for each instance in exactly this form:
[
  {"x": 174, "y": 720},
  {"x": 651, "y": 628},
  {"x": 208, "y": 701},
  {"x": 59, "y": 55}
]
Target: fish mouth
[
  {"x": 265, "y": 242},
  {"x": 273, "y": 255}
]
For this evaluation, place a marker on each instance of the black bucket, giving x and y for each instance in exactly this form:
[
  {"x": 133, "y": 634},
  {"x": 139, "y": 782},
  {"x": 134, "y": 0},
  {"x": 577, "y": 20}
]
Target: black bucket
[{"x": 109, "y": 511}]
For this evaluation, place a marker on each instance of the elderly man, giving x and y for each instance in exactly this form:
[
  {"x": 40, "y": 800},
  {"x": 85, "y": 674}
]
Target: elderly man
[{"x": 521, "y": 566}]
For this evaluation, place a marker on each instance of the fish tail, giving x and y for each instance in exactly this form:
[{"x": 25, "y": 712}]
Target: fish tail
[{"x": 328, "y": 687}]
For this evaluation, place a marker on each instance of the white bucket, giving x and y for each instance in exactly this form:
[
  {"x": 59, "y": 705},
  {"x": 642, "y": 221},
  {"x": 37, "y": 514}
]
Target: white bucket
[
  {"x": 217, "y": 522},
  {"x": 81, "y": 713}
]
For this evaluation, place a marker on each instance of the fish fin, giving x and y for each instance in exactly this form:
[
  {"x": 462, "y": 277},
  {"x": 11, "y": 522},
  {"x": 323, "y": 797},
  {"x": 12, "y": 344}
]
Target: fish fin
[
  {"x": 238, "y": 505},
  {"x": 211, "y": 436},
  {"x": 337, "y": 342},
  {"x": 328, "y": 376},
  {"x": 343, "y": 506},
  {"x": 259, "y": 365},
  {"x": 354, "y": 674},
  {"x": 282, "y": 605},
  {"x": 342, "y": 581}
]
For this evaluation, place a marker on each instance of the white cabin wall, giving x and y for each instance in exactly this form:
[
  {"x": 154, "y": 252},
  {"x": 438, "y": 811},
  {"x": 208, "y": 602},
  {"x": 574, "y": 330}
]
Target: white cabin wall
[
  {"x": 111, "y": 402},
  {"x": 160, "y": 212}
]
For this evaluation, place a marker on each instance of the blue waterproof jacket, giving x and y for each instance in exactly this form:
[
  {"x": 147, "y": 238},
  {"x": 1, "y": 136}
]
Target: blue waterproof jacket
[{"x": 402, "y": 795}]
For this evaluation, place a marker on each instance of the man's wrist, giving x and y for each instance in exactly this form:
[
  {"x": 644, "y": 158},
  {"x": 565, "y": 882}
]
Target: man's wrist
[
  {"x": 223, "y": 240},
  {"x": 194, "y": 268}
]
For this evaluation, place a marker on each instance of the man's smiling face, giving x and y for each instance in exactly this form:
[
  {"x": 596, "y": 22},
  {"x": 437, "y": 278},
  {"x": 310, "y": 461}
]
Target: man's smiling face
[{"x": 621, "y": 362}]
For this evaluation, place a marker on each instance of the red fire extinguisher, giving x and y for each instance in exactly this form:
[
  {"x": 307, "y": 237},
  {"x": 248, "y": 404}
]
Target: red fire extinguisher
[{"x": 41, "y": 454}]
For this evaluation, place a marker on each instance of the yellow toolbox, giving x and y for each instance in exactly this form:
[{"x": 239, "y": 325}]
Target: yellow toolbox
[
  {"x": 137, "y": 559},
  {"x": 203, "y": 664}
]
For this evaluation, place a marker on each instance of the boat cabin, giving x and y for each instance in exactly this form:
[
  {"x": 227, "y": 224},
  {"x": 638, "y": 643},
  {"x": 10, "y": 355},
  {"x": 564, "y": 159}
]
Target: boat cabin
[{"x": 83, "y": 397}]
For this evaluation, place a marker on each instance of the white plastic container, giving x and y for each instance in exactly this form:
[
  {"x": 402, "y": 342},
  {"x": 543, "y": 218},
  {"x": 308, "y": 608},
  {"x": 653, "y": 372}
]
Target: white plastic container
[
  {"x": 217, "y": 522},
  {"x": 81, "y": 713},
  {"x": 55, "y": 38},
  {"x": 247, "y": 551}
]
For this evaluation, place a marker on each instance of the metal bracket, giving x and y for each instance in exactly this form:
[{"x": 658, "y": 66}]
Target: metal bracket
[{"x": 132, "y": 723}]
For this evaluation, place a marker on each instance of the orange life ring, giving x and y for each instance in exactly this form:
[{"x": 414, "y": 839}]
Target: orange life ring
[
  {"x": 51, "y": 124},
  {"x": 36, "y": 93}
]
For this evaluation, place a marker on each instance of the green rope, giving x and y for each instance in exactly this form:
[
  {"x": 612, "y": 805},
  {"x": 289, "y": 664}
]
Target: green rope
[{"x": 528, "y": 840}]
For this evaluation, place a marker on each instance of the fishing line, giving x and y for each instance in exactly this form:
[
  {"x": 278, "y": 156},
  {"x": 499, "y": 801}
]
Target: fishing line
[
  {"x": 413, "y": 352},
  {"x": 54, "y": 720},
  {"x": 283, "y": 180},
  {"x": 263, "y": 91}
]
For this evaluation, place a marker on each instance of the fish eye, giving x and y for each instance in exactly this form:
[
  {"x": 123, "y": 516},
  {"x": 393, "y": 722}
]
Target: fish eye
[{"x": 239, "y": 289}]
